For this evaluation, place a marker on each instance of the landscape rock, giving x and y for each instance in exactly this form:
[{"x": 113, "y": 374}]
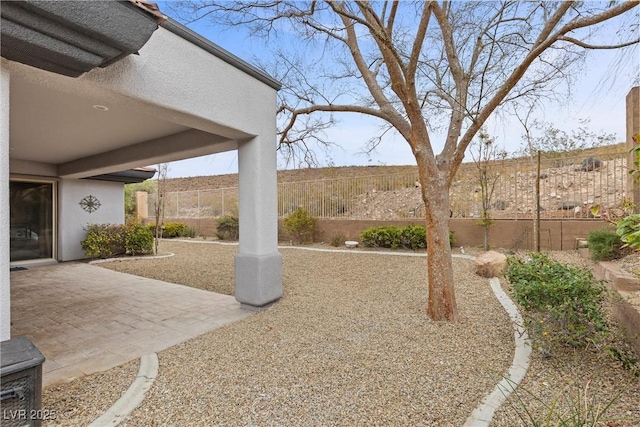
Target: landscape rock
[
  {"x": 490, "y": 264},
  {"x": 568, "y": 205},
  {"x": 590, "y": 164},
  {"x": 500, "y": 205}
]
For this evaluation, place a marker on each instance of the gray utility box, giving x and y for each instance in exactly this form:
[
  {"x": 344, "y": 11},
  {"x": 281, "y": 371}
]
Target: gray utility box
[{"x": 21, "y": 395}]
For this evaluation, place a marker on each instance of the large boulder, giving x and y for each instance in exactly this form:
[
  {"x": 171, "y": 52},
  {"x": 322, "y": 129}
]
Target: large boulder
[{"x": 490, "y": 264}]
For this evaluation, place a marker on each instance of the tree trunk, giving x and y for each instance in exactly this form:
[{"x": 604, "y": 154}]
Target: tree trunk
[
  {"x": 441, "y": 303},
  {"x": 486, "y": 237}
]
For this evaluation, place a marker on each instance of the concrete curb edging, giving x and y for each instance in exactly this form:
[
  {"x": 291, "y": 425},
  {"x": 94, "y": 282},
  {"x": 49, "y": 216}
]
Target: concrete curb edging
[
  {"x": 101, "y": 261},
  {"x": 483, "y": 414},
  {"x": 133, "y": 396}
]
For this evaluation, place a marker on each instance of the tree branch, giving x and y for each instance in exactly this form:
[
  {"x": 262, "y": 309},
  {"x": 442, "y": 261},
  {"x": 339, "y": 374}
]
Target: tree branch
[
  {"x": 596, "y": 47},
  {"x": 295, "y": 113}
]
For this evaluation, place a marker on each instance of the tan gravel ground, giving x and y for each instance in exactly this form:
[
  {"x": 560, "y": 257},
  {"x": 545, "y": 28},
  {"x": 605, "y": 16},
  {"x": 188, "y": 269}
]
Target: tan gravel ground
[
  {"x": 348, "y": 344},
  {"x": 81, "y": 401}
]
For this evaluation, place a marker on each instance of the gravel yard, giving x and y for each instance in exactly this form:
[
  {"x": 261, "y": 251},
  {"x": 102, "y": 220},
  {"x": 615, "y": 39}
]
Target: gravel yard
[{"x": 348, "y": 344}]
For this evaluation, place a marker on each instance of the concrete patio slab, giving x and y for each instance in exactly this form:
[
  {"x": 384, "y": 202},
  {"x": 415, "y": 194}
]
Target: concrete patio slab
[{"x": 87, "y": 319}]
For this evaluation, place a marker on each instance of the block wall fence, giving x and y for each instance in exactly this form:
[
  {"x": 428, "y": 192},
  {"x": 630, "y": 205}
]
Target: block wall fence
[{"x": 507, "y": 234}]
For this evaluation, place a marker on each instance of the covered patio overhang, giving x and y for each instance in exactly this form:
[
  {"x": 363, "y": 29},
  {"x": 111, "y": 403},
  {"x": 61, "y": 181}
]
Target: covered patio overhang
[{"x": 179, "y": 97}]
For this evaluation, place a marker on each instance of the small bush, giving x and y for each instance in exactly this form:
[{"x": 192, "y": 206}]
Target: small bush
[
  {"x": 301, "y": 225},
  {"x": 138, "y": 239},
  {"x": 228, "y": 228},
  {"x": 104, "y": 240},
  {"x": 562, "y": 303},
  {"x": 604, "y": 245}
]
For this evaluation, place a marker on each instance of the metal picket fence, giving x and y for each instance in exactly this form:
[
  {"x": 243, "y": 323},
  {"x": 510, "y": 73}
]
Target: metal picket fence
[
  {"x": 198, "y": 203},
  {"x": 569, "y": 187}
]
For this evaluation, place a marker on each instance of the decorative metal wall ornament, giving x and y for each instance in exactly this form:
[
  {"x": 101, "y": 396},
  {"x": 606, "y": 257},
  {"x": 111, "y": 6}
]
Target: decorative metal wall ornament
[{"x": 90, "y": 203}]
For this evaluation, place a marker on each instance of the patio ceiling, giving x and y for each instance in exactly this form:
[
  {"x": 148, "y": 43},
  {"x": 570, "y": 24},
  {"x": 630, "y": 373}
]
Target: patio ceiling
[
  {"x": 83, "y": 131},
  {"x": 51, "y": 126},
  {"x": 84, "y": 126}
]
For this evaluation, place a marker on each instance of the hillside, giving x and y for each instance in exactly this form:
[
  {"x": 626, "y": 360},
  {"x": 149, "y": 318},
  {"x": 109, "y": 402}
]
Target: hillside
[
  {"x": 313, "y": 174},
  {"x": 293, "y": 175}
]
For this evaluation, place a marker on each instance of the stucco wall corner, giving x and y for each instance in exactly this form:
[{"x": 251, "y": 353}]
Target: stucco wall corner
[{"x": 5, "y": 291}]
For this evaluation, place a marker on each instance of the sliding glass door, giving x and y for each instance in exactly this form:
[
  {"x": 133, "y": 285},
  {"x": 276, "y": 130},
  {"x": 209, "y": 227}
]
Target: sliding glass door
[{"x": 32, "y": 220}]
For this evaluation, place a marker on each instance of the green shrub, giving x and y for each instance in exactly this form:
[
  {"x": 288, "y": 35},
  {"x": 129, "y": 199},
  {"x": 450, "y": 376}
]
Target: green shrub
[
  {"x": 107, "y": 240},
  {"x": 413, "y": 237},
  {"x": 384, "y": 236},
  {"x": 300, "y": 224},
  {"x": 177, "y": 229},
  {"x": 104, "y": 240},
  {"x": 228, "y": 228},
  {"x": 138, "y": 239},
  {"x": 390, "y": 236},
  {"x": 604, "y": 245},
  {"x": 562, "y": 303},
  {"x": 170, "y": 230}
]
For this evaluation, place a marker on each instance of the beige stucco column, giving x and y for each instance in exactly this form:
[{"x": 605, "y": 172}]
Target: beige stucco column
[
  {"x": 5, "y": 256},
  {"x": 142, "y": 206},
  {"x": 633, "y": 128},
  {"x": 258, "y": 264}
]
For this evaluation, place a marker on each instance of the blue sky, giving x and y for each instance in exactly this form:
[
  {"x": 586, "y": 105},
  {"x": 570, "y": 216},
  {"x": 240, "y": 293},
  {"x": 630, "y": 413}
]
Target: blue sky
[{"x": 598, "y": 96}]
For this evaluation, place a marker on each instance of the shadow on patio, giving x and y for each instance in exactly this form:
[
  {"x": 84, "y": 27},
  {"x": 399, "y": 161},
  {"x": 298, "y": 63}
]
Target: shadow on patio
[{"x": 87, "y": 319}]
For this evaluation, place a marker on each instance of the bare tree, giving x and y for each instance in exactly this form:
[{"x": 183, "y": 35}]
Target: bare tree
[
  {"x": 485, "y": 155},
  {"x": 531, "y": 150},
  {"x": 424, "y": 69},
  {"x": 159, "y": 205}
]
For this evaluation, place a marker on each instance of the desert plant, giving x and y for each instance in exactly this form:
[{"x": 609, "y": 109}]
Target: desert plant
[
  {"x": 138, "y": 239},
  {"x": 104, "y": 240},
  {"x": 575, "y": 406},
  {"x": 628, "y": 229},
  {"x": 486, "y": 155},
  {"x": 301, "y": 225},
  {"x": 228, "y": 227},
  {"x": 562, "y": 303},
  {"x": 604, "y": 245},
  {"x": 336, "y": 240}
]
